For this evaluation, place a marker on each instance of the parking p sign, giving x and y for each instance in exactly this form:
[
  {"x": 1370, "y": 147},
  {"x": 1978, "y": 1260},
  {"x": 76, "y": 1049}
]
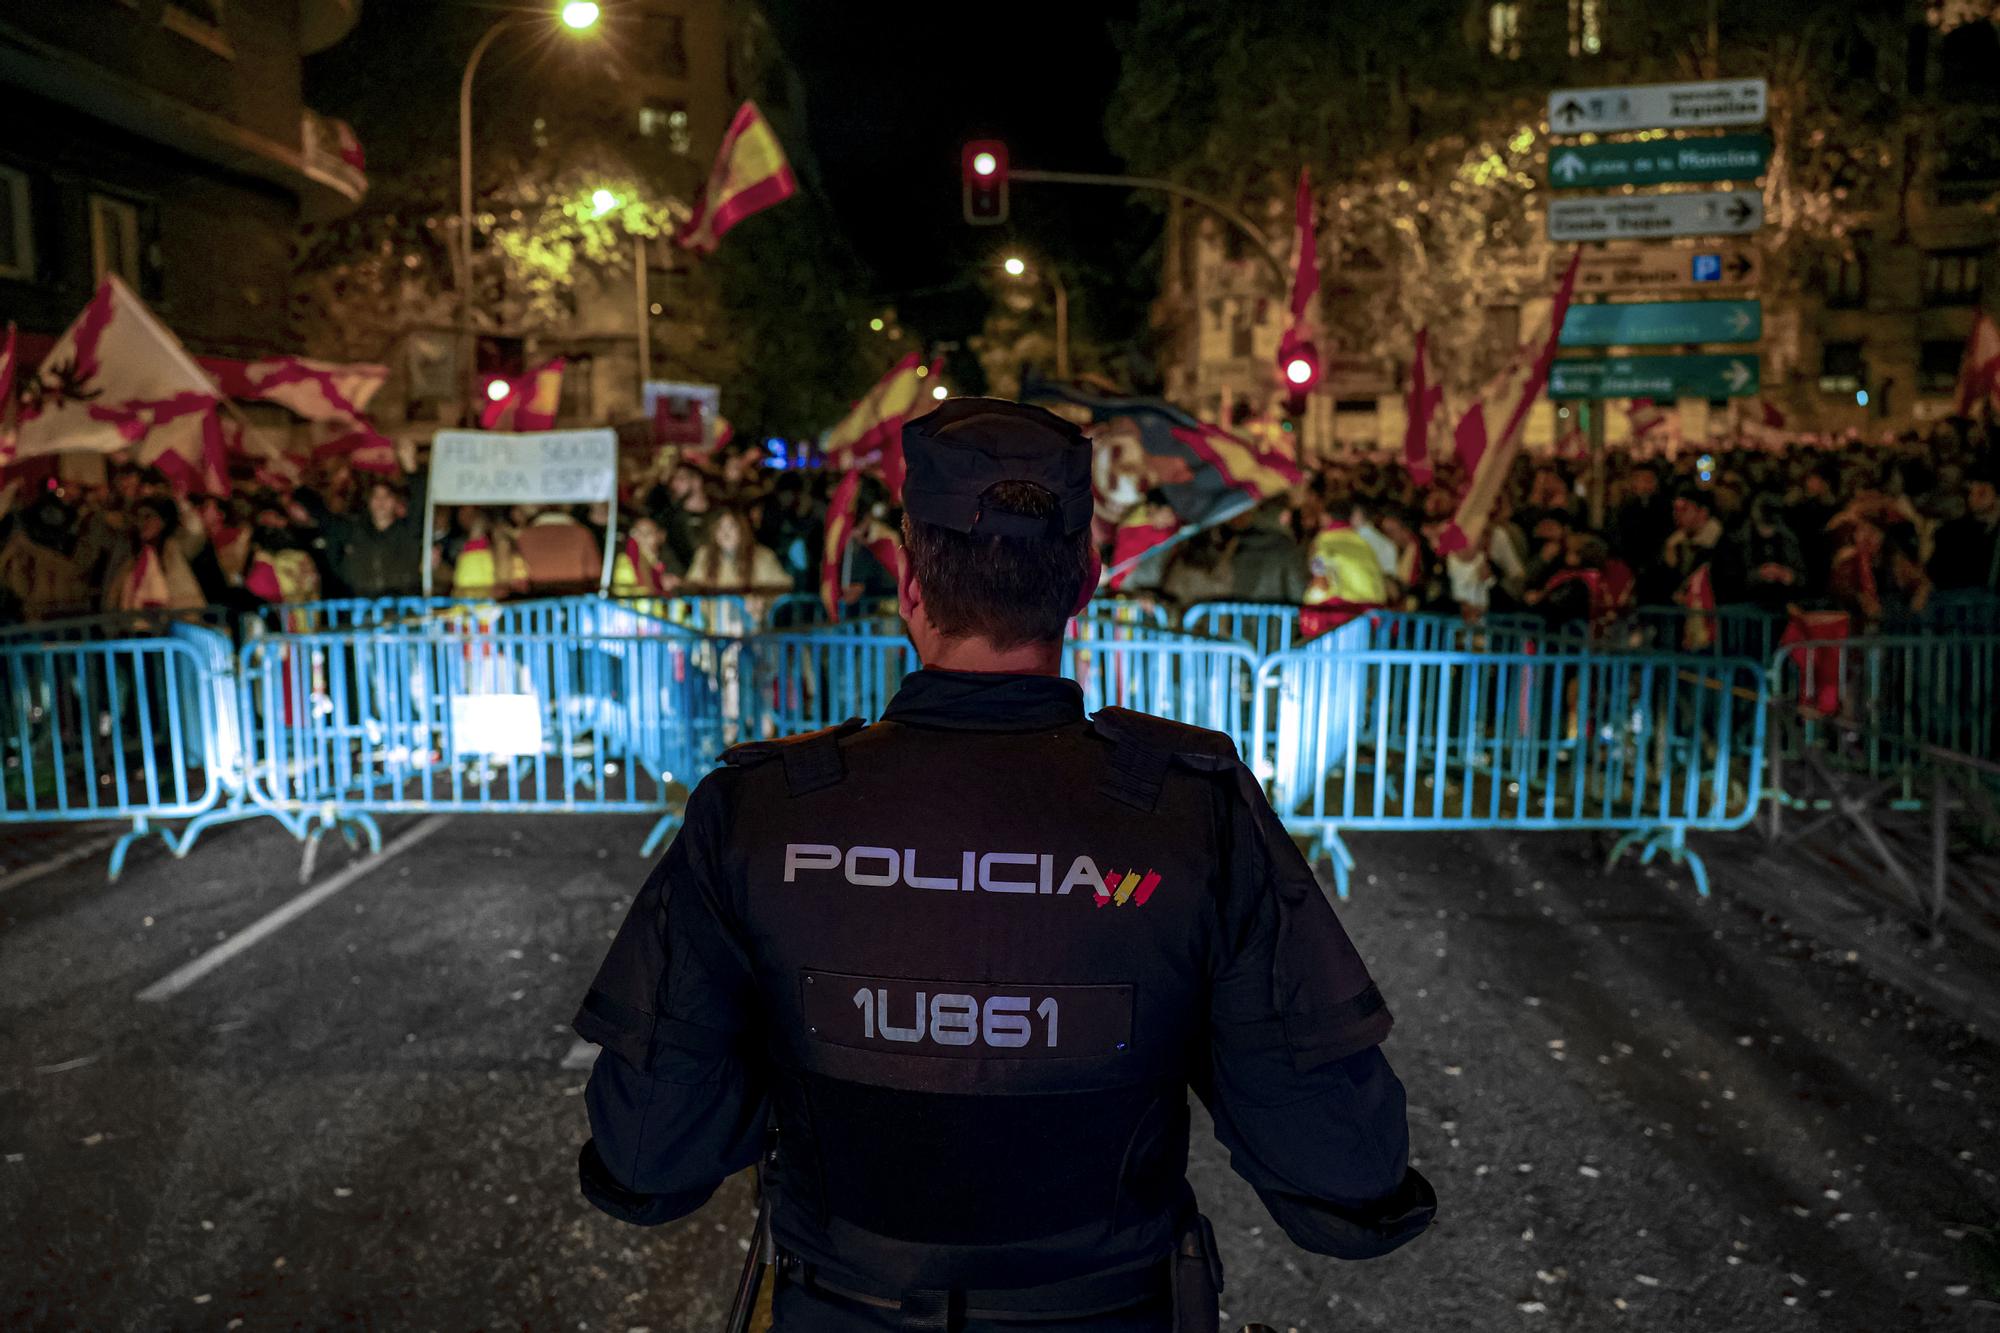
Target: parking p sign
[{"x": 1708, "y": 268}]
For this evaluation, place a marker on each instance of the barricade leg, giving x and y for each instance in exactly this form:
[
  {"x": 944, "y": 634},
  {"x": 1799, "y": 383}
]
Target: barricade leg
[
  {"x": 1650, "y": 842},
  {"x": 1331, "y": 859},
  {"x": 662, "y": 826},
  {"x": 141, "y": 827}
]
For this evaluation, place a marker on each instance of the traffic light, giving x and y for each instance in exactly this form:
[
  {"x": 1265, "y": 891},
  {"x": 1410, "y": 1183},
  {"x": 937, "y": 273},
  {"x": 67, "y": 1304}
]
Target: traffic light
[
  {"x": 983, "y": 168},
  {"x": 1298, "y": 366}
]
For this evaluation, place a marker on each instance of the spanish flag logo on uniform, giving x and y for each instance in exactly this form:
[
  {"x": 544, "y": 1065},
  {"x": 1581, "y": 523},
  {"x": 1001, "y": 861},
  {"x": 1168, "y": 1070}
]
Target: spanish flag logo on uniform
[{"x": 1130, "y": 887}]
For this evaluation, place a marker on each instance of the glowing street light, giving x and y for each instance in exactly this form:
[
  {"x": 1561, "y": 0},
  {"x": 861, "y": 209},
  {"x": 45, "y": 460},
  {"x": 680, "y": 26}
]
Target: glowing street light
[
  {"x": 940, "y": 393},
  {"x": 580, "y": 14},
  {"x": 1015, "y": 266},
  {"x": 876, "y": 324},
  {"x": 602, "y": 201}
]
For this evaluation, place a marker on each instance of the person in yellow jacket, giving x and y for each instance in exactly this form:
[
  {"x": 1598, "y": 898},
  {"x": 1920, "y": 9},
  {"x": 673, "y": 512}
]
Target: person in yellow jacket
[{"x": 488, "y": 551}]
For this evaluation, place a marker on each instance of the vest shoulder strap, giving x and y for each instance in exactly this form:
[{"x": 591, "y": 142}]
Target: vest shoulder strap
[
  {"x": 812, "y": 761},
  {"x": 1144, "y": 747}
]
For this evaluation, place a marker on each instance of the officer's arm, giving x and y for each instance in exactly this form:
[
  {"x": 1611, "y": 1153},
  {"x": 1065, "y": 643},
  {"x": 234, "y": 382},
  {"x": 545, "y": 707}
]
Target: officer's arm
[
  {"x": 675, "y": 1106},
  {"x": 1302, "y": 1096}
]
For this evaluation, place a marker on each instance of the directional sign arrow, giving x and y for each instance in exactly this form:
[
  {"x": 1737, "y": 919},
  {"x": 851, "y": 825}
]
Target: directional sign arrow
[
  {"x": 1571, "y": 111},
  {"x": 1739, "y": 321},
  {"x": 1740, "y": 266},
  {"x": 1567, "y": 167},
  {"x": 1739, "y": 210},
  {"x": 1738, "y": 376}
]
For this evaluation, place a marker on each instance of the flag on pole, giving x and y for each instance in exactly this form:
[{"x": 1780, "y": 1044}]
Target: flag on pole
[
  {"x": 839, "y": 527},
  {"x": 119, "y": 377},
  {"x": 1297, "y": 338},
  {"x": 1420, "y": 410},
  {"x": 1262, "y": 473},
  {"x": 1979, "y": 371},
  {"x": 1645, "y": 417},
  {"x": 315, "y": 390},
  {"x": 530, "y": 402},
  {"x": 877, "y": 419},
  {"x": 1515, "y": 390},
  {"x": 750, "y": 175}
]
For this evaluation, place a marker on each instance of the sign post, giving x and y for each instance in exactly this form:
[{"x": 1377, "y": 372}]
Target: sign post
[{"x": 494, "y": 467}]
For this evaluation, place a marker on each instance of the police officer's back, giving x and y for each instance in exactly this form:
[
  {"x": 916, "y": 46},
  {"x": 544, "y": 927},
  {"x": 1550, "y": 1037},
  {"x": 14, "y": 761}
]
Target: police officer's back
[{"x": 970, "y": 959}]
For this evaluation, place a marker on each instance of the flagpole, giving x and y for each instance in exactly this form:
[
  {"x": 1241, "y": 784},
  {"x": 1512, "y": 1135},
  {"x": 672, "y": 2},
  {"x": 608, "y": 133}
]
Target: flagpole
[{"x": 462, "y": 253}]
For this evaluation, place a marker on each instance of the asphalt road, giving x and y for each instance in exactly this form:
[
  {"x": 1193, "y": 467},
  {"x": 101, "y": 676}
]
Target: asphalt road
[{"x": 1640, "y": 1111}]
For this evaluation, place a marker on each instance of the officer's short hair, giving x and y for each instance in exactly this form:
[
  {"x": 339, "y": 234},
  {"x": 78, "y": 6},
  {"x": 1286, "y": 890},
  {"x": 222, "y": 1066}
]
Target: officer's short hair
[{"x": 1008, "y": 590}]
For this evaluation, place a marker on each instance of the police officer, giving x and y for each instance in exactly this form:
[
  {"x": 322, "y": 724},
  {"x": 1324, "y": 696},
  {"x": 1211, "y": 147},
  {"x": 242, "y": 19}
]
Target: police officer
[{"x": 970, "y": 959}]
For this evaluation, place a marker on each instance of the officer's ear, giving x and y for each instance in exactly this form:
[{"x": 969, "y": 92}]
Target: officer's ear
[
  {"x": 909, "y": 593},
  {"x": 1090, "y": 578}
]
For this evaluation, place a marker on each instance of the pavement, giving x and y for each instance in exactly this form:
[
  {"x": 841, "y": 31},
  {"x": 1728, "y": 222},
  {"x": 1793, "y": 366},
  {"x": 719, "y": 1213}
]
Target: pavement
[{"x": 1641, "y": 1111}]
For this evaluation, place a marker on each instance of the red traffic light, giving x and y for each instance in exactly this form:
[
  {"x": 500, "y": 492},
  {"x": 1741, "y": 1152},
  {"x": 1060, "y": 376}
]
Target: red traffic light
[
  {"x": 1298, "y": 362},
  {"x": 983, "y": 170}
]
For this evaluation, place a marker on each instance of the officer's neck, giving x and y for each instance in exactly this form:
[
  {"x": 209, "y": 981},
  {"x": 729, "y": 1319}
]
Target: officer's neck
[{"x": 979, "y": 654}]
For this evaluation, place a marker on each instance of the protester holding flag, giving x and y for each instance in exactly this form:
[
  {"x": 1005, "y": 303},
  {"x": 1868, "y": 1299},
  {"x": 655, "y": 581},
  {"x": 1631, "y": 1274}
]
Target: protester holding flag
[{"x": 157, "y": 576}]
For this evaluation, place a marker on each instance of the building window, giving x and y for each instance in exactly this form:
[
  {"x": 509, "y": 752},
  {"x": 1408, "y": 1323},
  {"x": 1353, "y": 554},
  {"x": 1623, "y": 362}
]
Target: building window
[
  {"x": 1503, "y": 31},
  {"x": 17, "y": 232},
  {"x": 199, "y": 21},
  {"x": 114, "y": 238},
  {"x": 669, "y": 123},
  {"x": 1241, "y": 345},
  {"x": 1586, "y": 27},
  {"x": 1937, "y": 365},
  {"x": 1846, "y": 279},
  {"x": 663, "y": 44},
  {"x": 1952, "y": 277},
  {"x": 1840, "y": 367}
]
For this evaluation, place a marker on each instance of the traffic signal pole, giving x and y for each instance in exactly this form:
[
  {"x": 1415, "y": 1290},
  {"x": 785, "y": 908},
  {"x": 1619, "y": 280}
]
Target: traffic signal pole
[{"x": 1216, "y": 208}]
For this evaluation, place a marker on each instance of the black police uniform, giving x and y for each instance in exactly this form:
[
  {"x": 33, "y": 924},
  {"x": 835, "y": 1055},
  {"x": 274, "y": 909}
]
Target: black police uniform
[{"x": 969, "y": 960}]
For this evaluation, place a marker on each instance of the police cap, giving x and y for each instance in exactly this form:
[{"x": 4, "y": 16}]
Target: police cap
[{"x": 955, "y": 453}]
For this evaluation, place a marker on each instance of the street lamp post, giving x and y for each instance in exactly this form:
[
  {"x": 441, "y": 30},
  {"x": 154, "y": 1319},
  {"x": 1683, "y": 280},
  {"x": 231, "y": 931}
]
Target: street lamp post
[
  {"x": 578, "y": 15},
  {"x": 1018, "y": 267}
]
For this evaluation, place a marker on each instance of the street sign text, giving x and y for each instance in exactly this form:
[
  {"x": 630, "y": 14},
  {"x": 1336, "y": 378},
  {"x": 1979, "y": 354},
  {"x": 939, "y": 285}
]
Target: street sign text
[
  {"x": 1709, "y": 376},
  {"x": 1729, "y": 213},
  {"x": 1728, "y": 157},
  {"x": 1650, "y": 267},
  {"x": 1657, "y": 106},
  {"x": 1651, "y": 323}
]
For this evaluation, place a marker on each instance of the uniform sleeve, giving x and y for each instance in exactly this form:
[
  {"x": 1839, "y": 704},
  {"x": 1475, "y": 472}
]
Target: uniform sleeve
[
  {"x": 676, "y": 1105},
  {"x": 1300, "y": 1092}
]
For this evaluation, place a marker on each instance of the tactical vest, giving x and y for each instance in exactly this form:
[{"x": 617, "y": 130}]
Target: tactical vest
[{"x": 984, "y": 959}]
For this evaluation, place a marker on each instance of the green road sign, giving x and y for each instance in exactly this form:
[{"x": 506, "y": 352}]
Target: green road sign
[
  {"x": 1649, "y": 323},
  {"x": 1729, "y": 157},
  {"x": 1655, "y": 377}
]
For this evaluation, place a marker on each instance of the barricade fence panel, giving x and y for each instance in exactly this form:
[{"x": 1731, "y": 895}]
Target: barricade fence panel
[
  {"x": 1896, "y": 695},
  {"x": 1417, "y": 740},
  {"x": 112, "y": 729}
]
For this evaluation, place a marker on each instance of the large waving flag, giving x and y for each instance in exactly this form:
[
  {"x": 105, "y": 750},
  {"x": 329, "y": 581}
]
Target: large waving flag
[
  {"x": 1979, "y": 371},
  {"x": 1514, "y": 390},
  {"x": 1262, "y": 473},
  {"x": 877, "y": 420},
  {"x": 315, "y": 390},
  {"x": 118, "y": 377},
  {"x": 1421, "y": 408},
  {"x": 839, "y": 528},
  {"x": 750, "y": 175},
  {"x": 1305, "y": 272},
  {"x": 530, "y": 402}
]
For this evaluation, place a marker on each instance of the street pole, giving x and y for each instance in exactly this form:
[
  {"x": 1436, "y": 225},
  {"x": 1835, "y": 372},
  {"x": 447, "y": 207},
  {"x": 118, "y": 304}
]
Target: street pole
[
  {"x": 1062, "y": 322},
  {"x": 468, "y": 386},
  {"x": 645, "y": 315},
  {"x": 1215, "y": 206}
]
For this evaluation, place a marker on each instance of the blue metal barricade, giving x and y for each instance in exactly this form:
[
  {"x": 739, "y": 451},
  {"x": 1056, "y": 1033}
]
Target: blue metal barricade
[
  {"x": 1652, "y": 745},
  {"x": 1726, "y": 631},
  {"x": 137, "y": 729}
]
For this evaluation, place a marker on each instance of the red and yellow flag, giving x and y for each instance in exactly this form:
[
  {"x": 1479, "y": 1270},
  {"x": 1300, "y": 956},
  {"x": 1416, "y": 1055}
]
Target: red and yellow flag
[
  {"x": 878, "y": 418},
  {"x": 750, "y": 174},
  {"x": 1261, "y": 472},
  {"x": 839, "y": 527},
  {"x": 530, "y": 402}
]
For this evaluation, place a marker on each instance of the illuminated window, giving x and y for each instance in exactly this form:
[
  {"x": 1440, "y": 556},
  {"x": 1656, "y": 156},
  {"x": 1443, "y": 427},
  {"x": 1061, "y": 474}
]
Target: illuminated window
[
  {"x": 114, "y": 238},
  {"x": 17, "y": 232},
  {"x": 1503, "y": 30},
  {"x": 669, "y": 123},
  {"x": 1952, "y": 277},
  {"x": 1840, "y": 367},
  {"x": 1938, "y": 363},
  {"x": 1586, "y": 27}
]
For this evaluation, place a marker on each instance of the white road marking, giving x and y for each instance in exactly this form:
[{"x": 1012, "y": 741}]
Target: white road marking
[
  {"x": 187, "y": 974},
  {"x": 68, "y": 857},
  {"x": 582, "y": 1055}
]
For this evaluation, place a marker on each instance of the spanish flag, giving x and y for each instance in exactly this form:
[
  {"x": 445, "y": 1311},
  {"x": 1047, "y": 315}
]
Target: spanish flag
[
  {"x": 530, "y": 402},
  {"x": 839, "y": 528},
  {"x": 750, "y": 174},
  {"x": 1262, "y": 473},
  {"x": 878, "y": 418}
]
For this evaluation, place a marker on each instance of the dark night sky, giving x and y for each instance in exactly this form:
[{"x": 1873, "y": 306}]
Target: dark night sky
[{"x": 891, "y": 90}]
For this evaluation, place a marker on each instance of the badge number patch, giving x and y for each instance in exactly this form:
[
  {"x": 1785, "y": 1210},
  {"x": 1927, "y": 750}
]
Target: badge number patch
[{"x": 959, "y": 1018}]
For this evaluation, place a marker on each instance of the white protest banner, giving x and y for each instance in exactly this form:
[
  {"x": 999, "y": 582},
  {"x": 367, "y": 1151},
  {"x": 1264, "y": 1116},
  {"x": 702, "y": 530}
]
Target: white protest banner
[{"x": 550, "y": 467}]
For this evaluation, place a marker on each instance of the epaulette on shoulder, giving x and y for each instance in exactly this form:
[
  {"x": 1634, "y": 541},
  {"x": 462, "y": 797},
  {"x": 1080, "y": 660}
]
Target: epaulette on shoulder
[
  {"x": 812, "y": 759},
  {"x": 1144, "y": 747}
]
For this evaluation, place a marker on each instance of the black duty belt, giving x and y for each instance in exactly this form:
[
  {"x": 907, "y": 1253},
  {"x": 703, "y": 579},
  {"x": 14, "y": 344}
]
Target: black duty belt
[{"x": 1078, "y": 1298}]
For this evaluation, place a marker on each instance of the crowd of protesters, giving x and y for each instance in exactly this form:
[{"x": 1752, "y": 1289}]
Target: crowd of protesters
[{"x": 1880, "y": 533}]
